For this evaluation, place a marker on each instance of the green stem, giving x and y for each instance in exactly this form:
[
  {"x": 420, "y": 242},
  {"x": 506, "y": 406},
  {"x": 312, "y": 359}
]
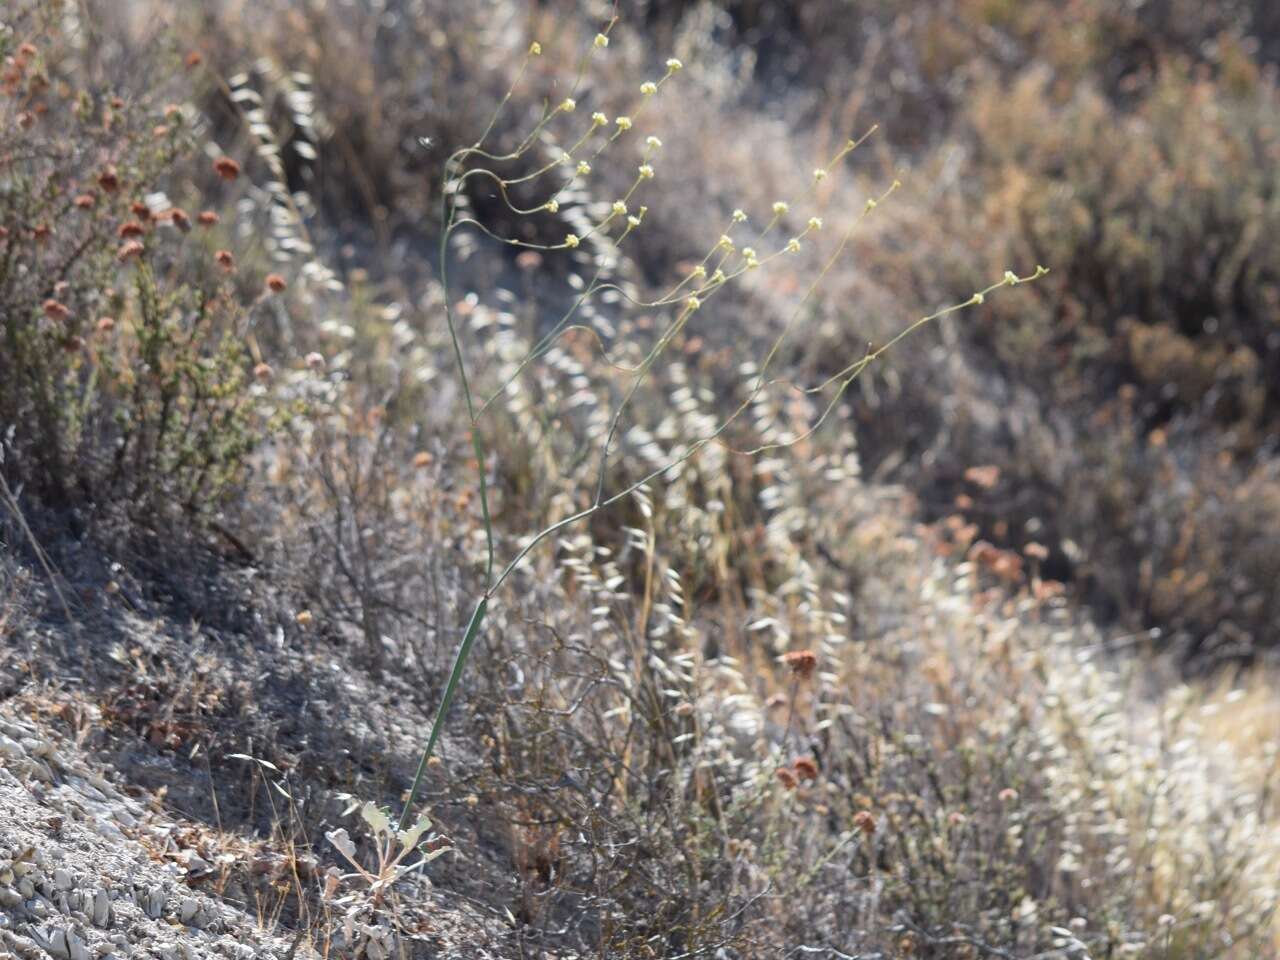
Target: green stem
[{"x": 446, "y": 699}]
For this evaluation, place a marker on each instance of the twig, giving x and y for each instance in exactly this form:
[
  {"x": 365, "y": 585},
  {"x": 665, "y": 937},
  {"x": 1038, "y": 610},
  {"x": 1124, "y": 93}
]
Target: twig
[{"x": 12, "y": 502}]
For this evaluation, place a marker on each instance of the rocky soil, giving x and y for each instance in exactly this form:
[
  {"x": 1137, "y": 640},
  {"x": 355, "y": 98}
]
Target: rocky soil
[
  {"x": 131, "y": 826},
  {"x": 78, "y": 878}
]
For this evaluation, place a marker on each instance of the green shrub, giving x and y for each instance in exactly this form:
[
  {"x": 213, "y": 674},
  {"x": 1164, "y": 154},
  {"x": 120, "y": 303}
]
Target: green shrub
[{"x": 127, "y": 389}]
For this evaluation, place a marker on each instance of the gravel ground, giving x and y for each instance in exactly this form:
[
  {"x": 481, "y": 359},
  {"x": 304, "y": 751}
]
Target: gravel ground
[
  {"x": 75, "y": 883},
  {"x": 112, "y": 844}
]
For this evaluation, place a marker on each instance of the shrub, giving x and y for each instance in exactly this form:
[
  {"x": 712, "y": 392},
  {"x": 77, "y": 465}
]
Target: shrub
[
  {"x": 1141, "y": 377},
  {"x": 127, "y": 387}
]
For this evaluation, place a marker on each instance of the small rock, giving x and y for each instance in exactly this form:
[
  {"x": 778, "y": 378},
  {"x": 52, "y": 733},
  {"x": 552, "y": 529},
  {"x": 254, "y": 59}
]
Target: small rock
[
  {"x": 54, "y": 941},
  {"x": 101, "y": 909},
  {"x": 195, "y": 863},
  {"x": 153, "y": 904}
]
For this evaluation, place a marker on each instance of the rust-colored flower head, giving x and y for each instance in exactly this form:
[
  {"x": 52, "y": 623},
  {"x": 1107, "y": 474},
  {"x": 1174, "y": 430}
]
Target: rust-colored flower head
[
  {"x": 786, "y": 778},
  {"x": 140, "y": 210},
  {"x": 130, "y": 229},
  {"x": 263, "y": 372},
  {"x": 109, "y": 179},
  {"x": 276, "y": 283},
  {"x": 805, "y": 768},
  {"x": 983, "y": 553},
  {"x": 85, "y": 201},
  {"x": 27, "y": 50},
  {"x": 130, "y": 251},
  {"x": 194, "y": 59},
  {"x": 226, "y": 168},
  {"x": 72, "y": 344},
  {"x": 106, "y": 324},
  {"x": 1007, "y": 566},
  {"x": 206, "y": 218},
  {"x": 225, "y": 260},
  {"x": 160, "y": 131},
  {"x": 26, "y": 120},
  {"x": 423, "y": 459},
  {"x": 117, "y": 103},
  {"x": 178, "y": 217},
  {"x": 986, "y": 476},
  {"x": 801, "y": 662},
  {"x": 55, "y": 310},
  {"x": 42, "y": 232},
  {"x": 865, "y": 822}
]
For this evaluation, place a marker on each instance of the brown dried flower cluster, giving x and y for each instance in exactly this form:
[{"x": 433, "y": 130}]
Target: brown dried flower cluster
[
  {"x": 801, "y": 662},
  {"x": 226, "y": 168}
]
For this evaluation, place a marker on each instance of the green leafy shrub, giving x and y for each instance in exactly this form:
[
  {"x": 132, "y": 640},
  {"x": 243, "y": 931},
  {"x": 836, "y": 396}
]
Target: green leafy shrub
[{"x": 127, "y": 387}]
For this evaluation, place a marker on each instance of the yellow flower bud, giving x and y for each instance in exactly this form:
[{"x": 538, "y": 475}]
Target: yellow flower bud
[
  {"x": 535, "y": 49},
  {"x": 739, "y": 217},
  {"x": 584, "y": 168},
  {"x": 674, "y": 65},
  {"x": 648, "y": 88},
  {"x": 624, "y": 123},
  {"x": 646, "y": 171},
  {"x": 619, "y": 208},
  {"x": 780, "y": 207},
  {"x": 568, "y": 105},
  {"x": 571, "y": 240},
  {"x": 601, "y": 41},
  {"x": 551, "y": 206},
  {"x": 793, "y": 245}
]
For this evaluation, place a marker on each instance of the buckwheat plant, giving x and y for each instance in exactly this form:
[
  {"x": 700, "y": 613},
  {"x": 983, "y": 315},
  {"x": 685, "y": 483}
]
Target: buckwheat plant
[
  {"x": 364, "y": 926},
  {"x": 391, "y": 847},
  {"x": 553, "y": 175}
]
